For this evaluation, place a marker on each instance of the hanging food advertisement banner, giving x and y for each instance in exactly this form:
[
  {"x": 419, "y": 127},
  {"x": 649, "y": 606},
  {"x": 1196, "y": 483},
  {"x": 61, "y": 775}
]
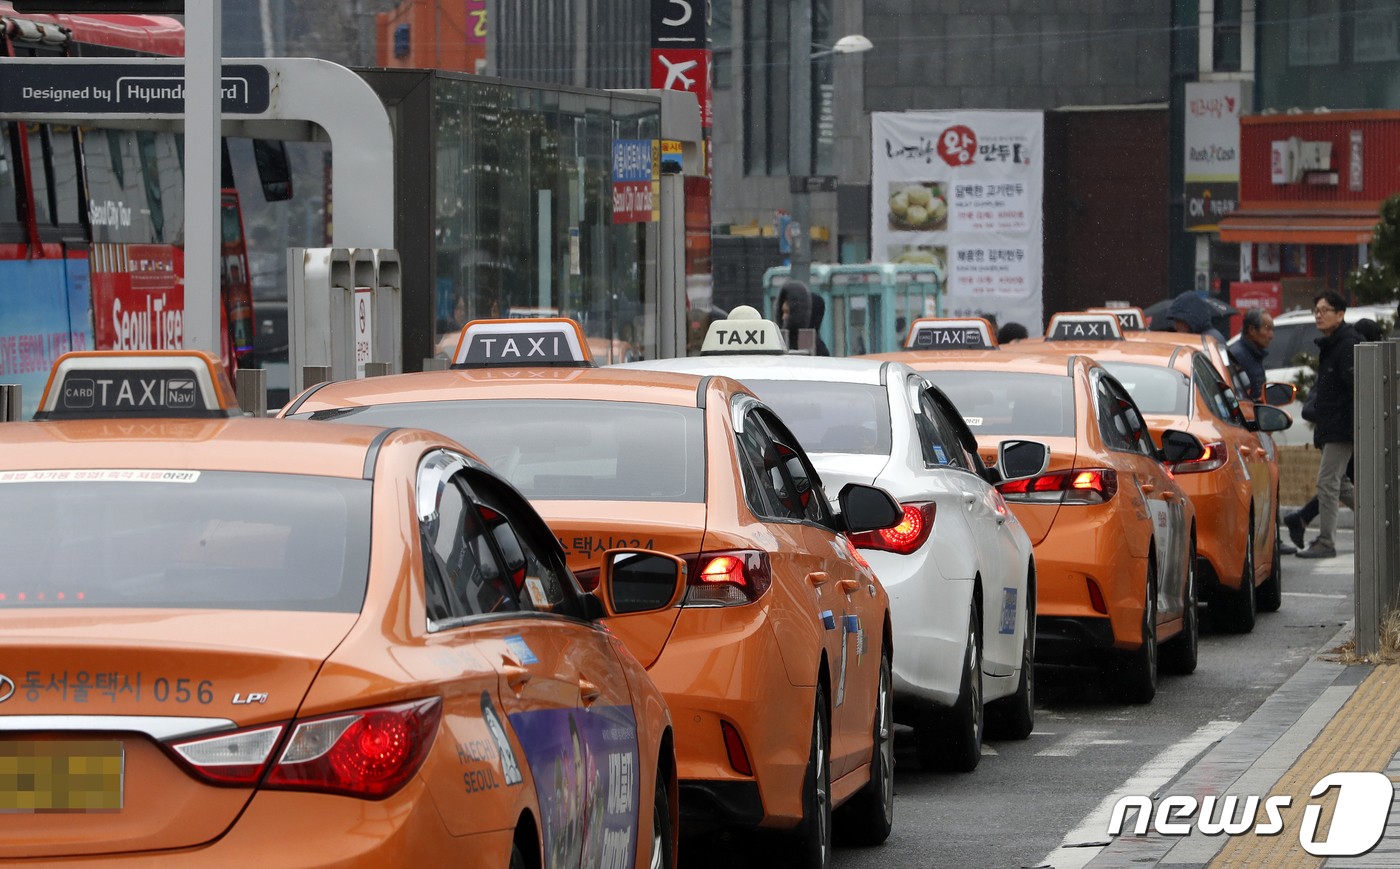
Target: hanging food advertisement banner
[{"x": 962, "y": 191}]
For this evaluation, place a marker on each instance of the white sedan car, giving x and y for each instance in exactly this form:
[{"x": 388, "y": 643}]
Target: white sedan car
[{"x": 959, "y": 570}]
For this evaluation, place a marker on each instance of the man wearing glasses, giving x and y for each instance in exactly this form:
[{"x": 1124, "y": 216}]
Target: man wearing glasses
[{"x": 1330, "y": 409}]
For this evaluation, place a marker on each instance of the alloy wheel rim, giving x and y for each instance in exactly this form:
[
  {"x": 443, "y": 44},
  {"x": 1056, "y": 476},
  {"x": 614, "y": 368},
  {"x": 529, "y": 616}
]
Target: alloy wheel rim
[
  {"x": 886, "y": 737},
  {"x": 823, "y": 787},
  {"x": 656, "y": 856},
  {"x": 974, "y": 674}
]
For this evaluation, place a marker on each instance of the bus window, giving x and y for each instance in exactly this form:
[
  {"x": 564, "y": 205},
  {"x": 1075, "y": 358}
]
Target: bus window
[
  {"x": 9, "y": 190},
  {"x": 43, "y": 214},
  {"x": 67, "y": 190}
]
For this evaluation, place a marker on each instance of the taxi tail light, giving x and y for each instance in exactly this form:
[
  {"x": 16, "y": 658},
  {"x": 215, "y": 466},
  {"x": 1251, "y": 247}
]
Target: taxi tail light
[
  {"x": 906, "y": 537},
  {"x": 237, "y": 758},
  {"x": 734, "y": 745},
  {"x": 367, "y": 753},
  {"x": 729, "y": 578},
  {"x": 1214, "y": 458},
  {"x": 1073, "y": 486}
]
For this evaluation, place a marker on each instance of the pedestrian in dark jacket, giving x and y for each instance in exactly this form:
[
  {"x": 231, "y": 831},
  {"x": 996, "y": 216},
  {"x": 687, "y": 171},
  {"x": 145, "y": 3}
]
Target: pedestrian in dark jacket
[
  {"x": 818, "y": 314},
  {"x": 1330, "y": 408},
  {"x": 1191, "y": 313},
  {"x": 1253, "y": 346},
  {"x": 793, "y": 310}
]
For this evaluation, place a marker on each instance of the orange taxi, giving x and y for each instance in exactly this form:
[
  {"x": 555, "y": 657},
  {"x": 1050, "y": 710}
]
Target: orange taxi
[
  {"x": 1178, "y": 383},
  {"x": 239, "y": 642},
  {"x": 1114, "y": 535},
  {"x": 777, "y": 663}
]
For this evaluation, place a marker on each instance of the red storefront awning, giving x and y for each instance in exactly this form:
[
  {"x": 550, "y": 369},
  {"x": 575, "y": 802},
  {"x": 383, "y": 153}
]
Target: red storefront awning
[{"x": 1292, "y": 227}]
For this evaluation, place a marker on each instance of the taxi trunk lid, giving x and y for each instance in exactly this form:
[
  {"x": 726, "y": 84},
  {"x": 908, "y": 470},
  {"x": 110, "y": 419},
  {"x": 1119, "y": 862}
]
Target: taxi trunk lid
[
  {"x": 1036, "y": 519},
  {"x": 108, "y": 702},
  {"x": 589, "y": 528}
]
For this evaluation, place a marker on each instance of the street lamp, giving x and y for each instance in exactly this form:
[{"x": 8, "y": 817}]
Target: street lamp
[{"x": 800, "y": 131}]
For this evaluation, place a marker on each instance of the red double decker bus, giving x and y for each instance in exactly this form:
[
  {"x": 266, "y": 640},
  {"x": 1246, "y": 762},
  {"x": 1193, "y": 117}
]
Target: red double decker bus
[{"x": 92, "y": 218}]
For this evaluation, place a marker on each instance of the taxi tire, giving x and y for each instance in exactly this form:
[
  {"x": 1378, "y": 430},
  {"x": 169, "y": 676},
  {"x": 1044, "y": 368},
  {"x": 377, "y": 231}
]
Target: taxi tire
[
  {"x": 1132, "y": 678},
  {"x": 1181, "y": 653},
  {"x": 663, "y": 837},
  {"x": 812, "y": 837},
  {"x": 1239, "y": 604},
  {"x": 1014, "y": 717},
  {"x": 1269, "y": 595},
  {"x": 517, "y": 859},
  {"x": 869, "y": 815},
  {"x": 952, "y": 739}
]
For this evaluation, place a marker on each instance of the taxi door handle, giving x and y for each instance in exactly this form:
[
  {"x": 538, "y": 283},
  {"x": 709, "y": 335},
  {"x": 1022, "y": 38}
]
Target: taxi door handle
[
  {"x": 817, "y": 578},
  {"x": 1148, "y": 488},
  {"x": 588, "y": 692},
  {"x": 849, "y": 586},
  {"x": 969, "y": 498},
  {"x": 1168, "y": 495},
  {"x": 516, "y": 675}
]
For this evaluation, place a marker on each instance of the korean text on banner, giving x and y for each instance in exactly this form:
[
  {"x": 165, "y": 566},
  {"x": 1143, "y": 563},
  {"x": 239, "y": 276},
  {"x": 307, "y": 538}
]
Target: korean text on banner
[{"x": 962, "y": 191}]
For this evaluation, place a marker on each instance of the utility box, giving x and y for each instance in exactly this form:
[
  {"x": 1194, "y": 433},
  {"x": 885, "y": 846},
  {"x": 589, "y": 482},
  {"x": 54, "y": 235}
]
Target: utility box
[{"x": 344, "y": 311}]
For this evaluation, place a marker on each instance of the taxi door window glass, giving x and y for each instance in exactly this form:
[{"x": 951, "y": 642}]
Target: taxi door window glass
[
  {"x": 831, "y": 417},
  {"x": 938, "y": 442},
  {"x": 1010, "y": 403},
  {"x": 1222, "y": 403},
  {"x": 1129, "y": 431},
  {"x": 1112, "y": 427},
  {"x": 188, "y": 539},
  {"x": 533, "y": 562},
  {"x": 463, "y": 575},
  {"x": 801, "y": 493},
  {"x": 758, "y": 462},
  {"x": 566, "y": 450}
]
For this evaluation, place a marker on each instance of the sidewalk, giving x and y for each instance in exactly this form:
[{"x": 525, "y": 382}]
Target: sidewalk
[{"x": 1328, "y": 717}]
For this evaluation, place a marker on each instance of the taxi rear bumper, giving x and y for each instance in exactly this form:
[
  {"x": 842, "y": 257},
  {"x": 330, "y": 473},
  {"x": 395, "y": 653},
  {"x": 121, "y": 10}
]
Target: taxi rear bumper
[
  {"x": 720, "y": 804},
  {"x": 1222, "y": 527}
]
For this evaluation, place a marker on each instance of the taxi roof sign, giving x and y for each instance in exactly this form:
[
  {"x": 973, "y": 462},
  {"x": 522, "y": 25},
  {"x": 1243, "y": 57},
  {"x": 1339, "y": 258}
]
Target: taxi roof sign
[
  {"x": 950, "y": 333},
  {"x": 743, "y": 332},
  {"x": 1084, "y": 327},
  {"x": 523, "y": 343},
  {"x": 142, "y": 384},
  {"x": 1129, "y": 319}
]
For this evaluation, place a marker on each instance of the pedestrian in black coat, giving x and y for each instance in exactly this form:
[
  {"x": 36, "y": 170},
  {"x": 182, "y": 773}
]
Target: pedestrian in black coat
[{"x": 1330, "y": 408}]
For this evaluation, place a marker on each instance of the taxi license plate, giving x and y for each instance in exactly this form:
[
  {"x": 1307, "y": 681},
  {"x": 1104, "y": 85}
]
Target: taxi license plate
[{"x": 49, "y": 776}]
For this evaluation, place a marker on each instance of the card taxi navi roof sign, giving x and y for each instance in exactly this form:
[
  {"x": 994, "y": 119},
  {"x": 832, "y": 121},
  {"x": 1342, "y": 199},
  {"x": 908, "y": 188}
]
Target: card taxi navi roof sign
[
  {"x": 743, "y": 332},
  {"x": 947, "y": 333},
  {"x": 145, "y": 384},
  {"x": 1129, "y": 319},
  {"x": 1084, "y": 327},
  {"x": 547, "y": 341}
]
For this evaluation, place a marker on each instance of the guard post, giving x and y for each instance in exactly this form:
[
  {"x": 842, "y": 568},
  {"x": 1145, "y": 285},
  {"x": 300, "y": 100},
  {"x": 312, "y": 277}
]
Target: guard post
[{"x": 1376, "y": 438}]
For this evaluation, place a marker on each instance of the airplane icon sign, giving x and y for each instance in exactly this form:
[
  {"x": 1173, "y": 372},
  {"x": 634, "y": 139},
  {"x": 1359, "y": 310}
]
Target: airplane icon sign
[{"x": 676, "y": 72}]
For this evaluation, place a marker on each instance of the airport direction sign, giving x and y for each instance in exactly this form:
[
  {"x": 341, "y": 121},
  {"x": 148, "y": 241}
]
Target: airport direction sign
[{"x": 96, "y": 88}]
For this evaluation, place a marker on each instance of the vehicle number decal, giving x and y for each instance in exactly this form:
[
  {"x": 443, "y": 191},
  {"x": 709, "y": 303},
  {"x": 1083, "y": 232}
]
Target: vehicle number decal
[
  {"x": 590, "y": 545},
  {"x": 973, "y": 420},
  {"x": 80, "y": 686},
  {"x": 101, "y": 475},
  {"x": 1008, "y": 611},
  {"x": 520, "y": 649}
]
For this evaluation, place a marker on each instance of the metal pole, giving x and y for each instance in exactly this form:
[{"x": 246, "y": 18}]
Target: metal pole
[
  {"x": 1376, "y": 393},
  {"x": 800, "y": 139},
  {"x": 203, "y": 169},
  {"x": 251, "y": 386},
  {"x": 10, "y": 403}
]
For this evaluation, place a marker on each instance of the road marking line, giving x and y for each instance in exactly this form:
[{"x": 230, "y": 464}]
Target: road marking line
[
  {"x": 1073, "y": 744},
  {"x": 1091, "y": 836},
  {"x": 1316, "y": 594}
]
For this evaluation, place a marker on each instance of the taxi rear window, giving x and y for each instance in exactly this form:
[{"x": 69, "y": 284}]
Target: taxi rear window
[
  {"x": 1154, "y": 389},
  {"x": 996, "y": 403},
  {"x": 565, "y": 449},
  {"x": 183, "y": 539},
  {"x": 831, "y": 417}
]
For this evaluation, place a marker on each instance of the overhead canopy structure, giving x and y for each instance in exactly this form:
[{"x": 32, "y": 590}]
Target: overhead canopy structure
[{"x": 1353, "y": 226}]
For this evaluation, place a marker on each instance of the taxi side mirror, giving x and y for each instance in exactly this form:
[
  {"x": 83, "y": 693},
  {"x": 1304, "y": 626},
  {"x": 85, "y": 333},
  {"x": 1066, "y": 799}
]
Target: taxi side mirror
[
  {"x": 1280, "y": 394},
  {"x": 640, "y": 581},
  {"x": 1267, "y": 418},
  {"x": 868, "y": 508},
  {"x": 1019, "y": 459},
  {"x": 1180, "y": 446}
]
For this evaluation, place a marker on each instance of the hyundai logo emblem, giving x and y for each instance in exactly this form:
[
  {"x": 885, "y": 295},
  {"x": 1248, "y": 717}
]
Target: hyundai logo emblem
[{"x": 7, "y": 688}]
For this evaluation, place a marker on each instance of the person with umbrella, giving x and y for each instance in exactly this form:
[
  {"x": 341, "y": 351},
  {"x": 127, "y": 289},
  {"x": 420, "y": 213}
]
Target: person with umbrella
[{"x": 1192, "y": 314}]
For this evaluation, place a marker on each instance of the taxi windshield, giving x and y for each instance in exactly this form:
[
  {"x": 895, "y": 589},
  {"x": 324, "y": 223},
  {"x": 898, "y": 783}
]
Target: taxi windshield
[
  {"x": 183, "y": 540},
  {"x": 565, "y": 449},
  {"x": 831, "y": 417},
  {"x": 1010, "y": 402},
  {"x": 1154, "y": 388}
]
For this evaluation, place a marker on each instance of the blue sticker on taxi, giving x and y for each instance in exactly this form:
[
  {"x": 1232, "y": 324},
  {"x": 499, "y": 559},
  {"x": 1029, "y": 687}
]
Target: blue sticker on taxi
[
  {"x": 829, "y": 620},
  {"x": 521, "y": 649},
  {"x": 1008, "y": 612}
]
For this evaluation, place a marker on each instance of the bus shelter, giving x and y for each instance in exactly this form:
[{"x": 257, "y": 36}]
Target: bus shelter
[{"x": 869, "y": 306}]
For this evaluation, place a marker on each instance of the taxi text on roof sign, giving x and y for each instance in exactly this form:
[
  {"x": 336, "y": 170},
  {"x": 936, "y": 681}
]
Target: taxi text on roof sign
[
  {"x": 1084, "y": 327},
  {"x": 522, "y": 343},
  {"x": 941, "y": 333},
  {"x": 142, "y": 384},
  {"x": 1129, "y": 319},
  {"x": 744, "y": 331}
]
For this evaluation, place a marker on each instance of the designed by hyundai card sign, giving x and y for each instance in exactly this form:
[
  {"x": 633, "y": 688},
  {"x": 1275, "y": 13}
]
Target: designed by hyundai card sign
[{"x": 121, "y": 88}]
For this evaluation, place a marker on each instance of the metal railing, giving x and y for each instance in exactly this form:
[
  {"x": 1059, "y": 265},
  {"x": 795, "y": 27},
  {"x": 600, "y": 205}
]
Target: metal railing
[{"x": 1377, "y": 441}]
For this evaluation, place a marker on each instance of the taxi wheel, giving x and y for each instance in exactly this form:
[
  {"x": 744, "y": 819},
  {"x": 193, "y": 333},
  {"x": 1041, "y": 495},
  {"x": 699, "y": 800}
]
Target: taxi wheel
[
  {"x": 1181, "y": 653},
  {"x": 1134, "y": 679},
  {"x": 869, "y": 816},
  {"x": 812, "y": 837},
  {"x": 517, "y": 859},
  {"x": 1269, "y": 597},
  {"x": 663, "y": 838},
  {"x": 1014, "y": 717},
  {"x": 952, "y": 741},
  {"x": 1239, "y": 605}
]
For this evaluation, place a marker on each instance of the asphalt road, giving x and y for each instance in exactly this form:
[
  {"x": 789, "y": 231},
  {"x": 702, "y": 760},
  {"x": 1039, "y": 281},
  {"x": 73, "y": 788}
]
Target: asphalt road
[{"x": 1028, "y": 799}]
